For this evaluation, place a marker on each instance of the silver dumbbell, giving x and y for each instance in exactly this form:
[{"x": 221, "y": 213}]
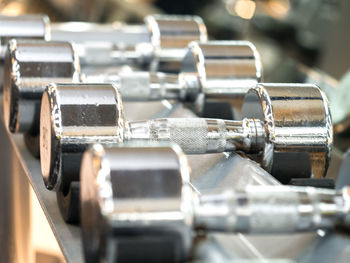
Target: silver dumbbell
[
  {"x": 211, "y": 71},
  {"x": 226, "y": 69},
  {"x": 29, "y": 67},
  {"x": 74, "y": 116},
  {"x": 140, "y": 199},
  {"x": 157, "y": 44}
]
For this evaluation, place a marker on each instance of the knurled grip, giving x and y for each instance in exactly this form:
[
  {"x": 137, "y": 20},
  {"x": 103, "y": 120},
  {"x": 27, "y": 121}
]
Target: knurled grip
[
  {"x": 135, "y": 86},
  {"x": 191, "y": 135},
  {"x": 194, "y": 135}
]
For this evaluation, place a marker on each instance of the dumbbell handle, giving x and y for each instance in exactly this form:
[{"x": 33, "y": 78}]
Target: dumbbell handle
[
  {"x": 103, "y": 43},
  {"x": 150, "y": 86},
  {"x": 198, "y": 135},
  {"x": 272, "y": 209},
  {"x": 82, "y": 32},
  {"x": 154, "y": 86},
  {"x": 142, "y": 85}
]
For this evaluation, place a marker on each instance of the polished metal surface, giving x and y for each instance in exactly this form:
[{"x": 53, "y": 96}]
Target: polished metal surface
[
  {"x": 70, "y": 119},
  {"x": 29, "y": 67},
  {"x": 298, "y": 120},
  {"x": 198, "y": 135},
  {"x": 175, "y": 32},
  {"x": 273, "y": 209},
  {"x": 73, "y": 116},
  {"x": 225, "y": 71},
  {"x": 99, "y": 44},
  {"x": 117, "y": 179},
  {"x": 122, "y": 202},
  {"x": 169, "y": 35},
  {"x": 20, "y": 27},
  {"x": 158, "y": 45},
  {"x": 85, "y": 32}
]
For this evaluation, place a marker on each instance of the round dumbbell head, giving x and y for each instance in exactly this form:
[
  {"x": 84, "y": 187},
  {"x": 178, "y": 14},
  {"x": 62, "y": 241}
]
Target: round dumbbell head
[
  {"x": 222, "y": 69},
  {"x": 29, "y": 67},
  {"x": 299, "y": 133},
  {"x": 175, "y": 32},
  {"x": 136, "y": 200},
  {"x": 71, "y": 117},
  {"x": 24, "y": 26},
  {"x": 169, "y": 36}
]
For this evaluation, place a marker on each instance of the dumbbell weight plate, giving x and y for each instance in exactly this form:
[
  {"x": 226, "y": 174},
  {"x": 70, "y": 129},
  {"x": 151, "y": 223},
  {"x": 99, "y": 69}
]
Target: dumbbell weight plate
[{"x": 303, "y": 111}]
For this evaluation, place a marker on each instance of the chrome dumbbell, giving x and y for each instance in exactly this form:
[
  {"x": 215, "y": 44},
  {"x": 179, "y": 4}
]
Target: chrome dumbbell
[
  {"x": 210, "y": 70},
  {"x": 158, "y": 44},
  {"x": 29, "y": 67},
  {"x": 74, "y": 116},
  {"x": 28, "y": 70},
  {"x": 140, "y": 199}
]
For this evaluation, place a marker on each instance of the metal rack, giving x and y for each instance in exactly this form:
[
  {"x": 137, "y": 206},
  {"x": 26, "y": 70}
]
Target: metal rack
[{"x": 20, "y": 167}]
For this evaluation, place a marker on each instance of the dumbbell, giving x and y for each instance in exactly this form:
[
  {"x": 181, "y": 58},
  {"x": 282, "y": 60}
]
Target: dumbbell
[
  {"x": 158, "y": 44},
  {"x": 308, "y": 162},
  {"x": 215, "y": 71},
  {"x": 212, "y": 69},
  {"x": 288, "y": 121},
  {"x": 138, "y": 204}
]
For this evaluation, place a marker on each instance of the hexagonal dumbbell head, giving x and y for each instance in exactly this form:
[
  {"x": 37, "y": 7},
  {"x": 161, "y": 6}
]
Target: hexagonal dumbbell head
[
  {"x": 72, "y": 117},
  {"x": 151, "y": 180},
  {"x": 29, "y": 67}
]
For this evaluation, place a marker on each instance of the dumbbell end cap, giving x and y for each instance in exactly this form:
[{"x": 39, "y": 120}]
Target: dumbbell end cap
[
  {"x": 10, "y": 98},
  {"x": 48, "y": 142}
]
